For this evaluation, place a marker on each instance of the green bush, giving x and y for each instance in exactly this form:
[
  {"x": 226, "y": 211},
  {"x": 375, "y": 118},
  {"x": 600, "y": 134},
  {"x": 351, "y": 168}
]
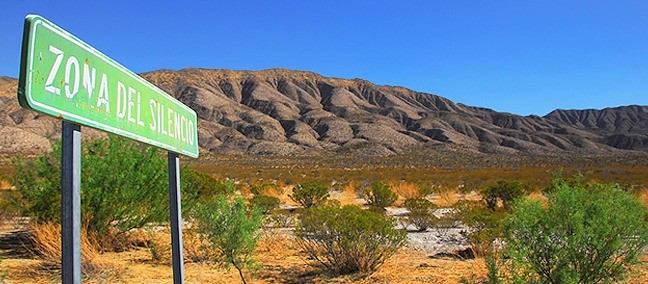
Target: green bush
[
  {"x": 504, "y": 191},
  {"x": 123, "y": 186},
  {"x": 265, "y": 203},
  {"x": 310, "y": 193},
  {"x": 420, "y": 213},
  {"x": 584, "y": 234},
  {"x": 348, "y": 239},
  {"x": 38, "y": 185},
  {"x": 378, "y": 194},
  {"x": 231, "y": 230}
]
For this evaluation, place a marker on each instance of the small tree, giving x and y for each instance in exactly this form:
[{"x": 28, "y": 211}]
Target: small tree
[
  {"x": 310, "y": 193},
  {"x": 420, "y": 213},
  {"x": 378, "y": 194},
  {"x": 584, "y": 234},
  {"x": 348, "y": 239},
  {"x": 231, "y": 230}
]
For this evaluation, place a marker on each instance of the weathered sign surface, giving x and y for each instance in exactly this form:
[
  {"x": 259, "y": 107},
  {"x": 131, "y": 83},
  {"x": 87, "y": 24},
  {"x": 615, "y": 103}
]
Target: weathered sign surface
[{"x": 64, "y": 77}]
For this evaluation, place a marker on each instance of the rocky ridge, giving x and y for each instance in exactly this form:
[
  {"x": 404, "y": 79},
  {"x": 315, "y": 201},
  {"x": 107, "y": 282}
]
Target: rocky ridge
[{"x": 284, "y": 112}]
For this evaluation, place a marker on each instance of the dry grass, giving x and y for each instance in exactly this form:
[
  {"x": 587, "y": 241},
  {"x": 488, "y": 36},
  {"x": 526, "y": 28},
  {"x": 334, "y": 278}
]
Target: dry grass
[
  {"x": 641, "y": 195},
  {"x": 46, "y": 247},
  {"x": 405, "y": 190},
  {"x": 348, "y": 194},
  {"x": 445, "y": 197},
  {"x": 46, "y": 240}
]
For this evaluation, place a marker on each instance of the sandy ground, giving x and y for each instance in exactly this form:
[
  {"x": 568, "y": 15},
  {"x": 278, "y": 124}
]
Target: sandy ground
[{"x": 281, "y": 259}]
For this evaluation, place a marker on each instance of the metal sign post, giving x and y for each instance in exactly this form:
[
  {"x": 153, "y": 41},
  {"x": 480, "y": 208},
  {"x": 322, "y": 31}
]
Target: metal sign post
[
  {"x": 71, "y": 203},
  {"x": 176, "y": 218},
  {"x": 64, "y": 77}
]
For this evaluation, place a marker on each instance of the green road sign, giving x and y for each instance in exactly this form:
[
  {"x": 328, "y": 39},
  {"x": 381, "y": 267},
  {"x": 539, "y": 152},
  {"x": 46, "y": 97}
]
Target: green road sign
[{"x": 64, "y": 77}]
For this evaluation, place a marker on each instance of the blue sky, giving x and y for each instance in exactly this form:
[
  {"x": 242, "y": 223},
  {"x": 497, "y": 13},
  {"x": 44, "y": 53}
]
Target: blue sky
[{"x": 523, "y": 57}]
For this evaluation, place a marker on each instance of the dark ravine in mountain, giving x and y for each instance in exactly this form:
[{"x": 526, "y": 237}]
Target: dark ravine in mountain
[{"x": 283, "y": 112}]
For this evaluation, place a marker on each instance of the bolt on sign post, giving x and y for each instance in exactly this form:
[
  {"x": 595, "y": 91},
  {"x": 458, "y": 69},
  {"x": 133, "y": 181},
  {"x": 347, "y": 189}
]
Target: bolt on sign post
[{"x": 64, "y": 77}]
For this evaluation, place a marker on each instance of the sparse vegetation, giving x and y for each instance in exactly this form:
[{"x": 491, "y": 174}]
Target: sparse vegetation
[
  {"x": 310, "y": 193},
  {"x": 420, "y": 213},
  {"x": 197, "y": 186},
  {"x": 378, "y": 194},
  {"x": 267, "y": 204},
  {"x": 504, "y": 191},
  {"x": 282, "y": 218},
  {"x": 124, "y": 187},
  {"x": 283, "y": 263},
  {"x": 485, "y": 225},
  {"x": 232, "y": 230},
  {"x": 348, "y": 239}
]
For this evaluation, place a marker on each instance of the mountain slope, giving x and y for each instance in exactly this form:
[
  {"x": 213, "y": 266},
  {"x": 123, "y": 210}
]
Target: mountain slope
[
  {"x": 287, "y": 112},
  {"x": 620, "y": 127}
]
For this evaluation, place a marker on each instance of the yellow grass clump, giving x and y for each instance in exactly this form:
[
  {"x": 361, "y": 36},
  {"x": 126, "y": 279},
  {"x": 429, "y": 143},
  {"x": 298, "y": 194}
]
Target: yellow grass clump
[
  {"x": 405, "y": 190},
  {"x": 46, "y": 245}
]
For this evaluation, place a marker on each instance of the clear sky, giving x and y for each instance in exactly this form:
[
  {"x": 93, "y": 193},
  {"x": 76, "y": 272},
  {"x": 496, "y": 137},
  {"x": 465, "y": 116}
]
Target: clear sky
[{"x": 523, "y": 57}]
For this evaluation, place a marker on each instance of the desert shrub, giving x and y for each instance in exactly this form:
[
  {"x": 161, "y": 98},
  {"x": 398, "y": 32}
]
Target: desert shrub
[
  {"x": 124, "y": 186},
  {"x": 231, "y": 230},
  {"x": 265, "y": 203},
  {"x": 420, "y": 213},
  {"x": 505, "y": 191},
  {"x": 378, "y": 194},
  {"x": 584, "y": 234},
  {"x": 38, "y": 185},
  {"x": 348, "y": 239},
  {"x": 310, "y": 193},
  {"x": 485, "y": 225}
]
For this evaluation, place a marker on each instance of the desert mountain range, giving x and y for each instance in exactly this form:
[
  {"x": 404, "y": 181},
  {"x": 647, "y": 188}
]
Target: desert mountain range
[{"x": 284, "y": 112}]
